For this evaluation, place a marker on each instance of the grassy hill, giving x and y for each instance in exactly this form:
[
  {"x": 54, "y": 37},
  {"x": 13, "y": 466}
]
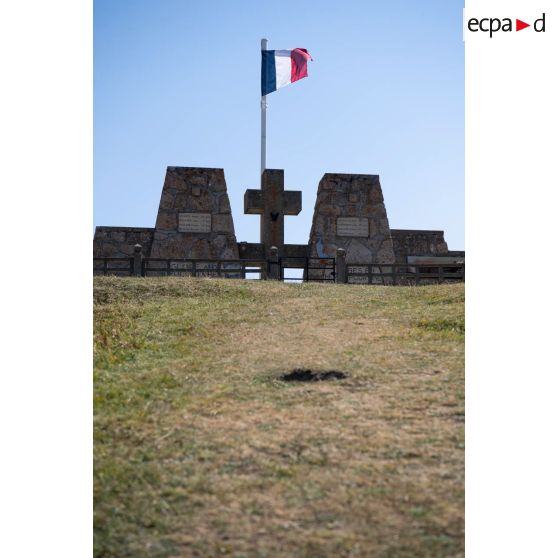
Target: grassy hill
[{"x": 202, "y": 450}]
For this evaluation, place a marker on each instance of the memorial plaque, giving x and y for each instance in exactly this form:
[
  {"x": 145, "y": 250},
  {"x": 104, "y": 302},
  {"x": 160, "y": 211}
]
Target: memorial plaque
[
  {"x": 358, "y": 269},
  {"x": 352, "y": 226},
  {"x": 357, "y": 279},
  {"x": 194, "y": 222}
]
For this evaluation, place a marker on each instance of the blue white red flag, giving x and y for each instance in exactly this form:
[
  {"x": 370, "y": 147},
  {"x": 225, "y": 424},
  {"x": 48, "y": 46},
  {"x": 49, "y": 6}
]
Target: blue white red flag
[{"x": 281, "y": 67}]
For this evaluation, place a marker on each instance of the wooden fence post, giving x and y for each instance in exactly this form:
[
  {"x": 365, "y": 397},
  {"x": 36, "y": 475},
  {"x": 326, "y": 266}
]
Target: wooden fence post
[
  {"x": 274, "y": 271},
  {"x": 340, "y": 266},
  {"x": 138, "y": 257}
]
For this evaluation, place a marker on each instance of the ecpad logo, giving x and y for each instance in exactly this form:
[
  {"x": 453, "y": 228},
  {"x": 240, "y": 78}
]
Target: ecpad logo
[{"x": 493, "y": 25}]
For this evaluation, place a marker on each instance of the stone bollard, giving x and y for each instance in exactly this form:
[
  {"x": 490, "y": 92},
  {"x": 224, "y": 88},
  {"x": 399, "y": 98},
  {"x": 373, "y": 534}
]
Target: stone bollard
[
  {"x": 274, "y": 271},
  {"x": 340, "y": 266},
  {"x": 138, "y": 257}
]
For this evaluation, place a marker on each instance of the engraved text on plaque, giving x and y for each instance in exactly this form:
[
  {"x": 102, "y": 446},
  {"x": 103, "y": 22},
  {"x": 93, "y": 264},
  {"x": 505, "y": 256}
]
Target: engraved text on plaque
[
  {"x": 352, "y": 226},
  {"x": 194, "y": 222}
]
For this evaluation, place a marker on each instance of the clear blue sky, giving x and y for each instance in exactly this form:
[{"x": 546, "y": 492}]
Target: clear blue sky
[{"x": 177, "y": 83}]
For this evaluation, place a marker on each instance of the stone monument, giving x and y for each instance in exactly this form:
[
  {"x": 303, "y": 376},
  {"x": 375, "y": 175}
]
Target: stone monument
[
  {"x": 194, "y": 222},
  {"x": 194, "y": 219},
  {"x": 350, "y": 214}
]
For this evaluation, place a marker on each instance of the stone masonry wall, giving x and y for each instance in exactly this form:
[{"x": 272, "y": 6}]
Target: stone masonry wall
[
  {"x": 118, "y": 242},
  {"x": 417, "y": 243}
]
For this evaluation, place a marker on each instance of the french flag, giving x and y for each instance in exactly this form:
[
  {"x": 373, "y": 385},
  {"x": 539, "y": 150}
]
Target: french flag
[{"x": 281, "y": 67}]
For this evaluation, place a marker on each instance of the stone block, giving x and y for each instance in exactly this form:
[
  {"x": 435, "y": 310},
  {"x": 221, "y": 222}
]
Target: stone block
[
  {"x": 118, "y": 236},
  {"x": 218, "y": 185},
  {"x": 167, "y": 221},
  {"x": 197, "y": 179},
  {"x": 383, "y": 227},
  {"x": 185, "y": 201},
  {"x": 327, "y": 185},
  {"x": 224, "y": 204},
  {"x": 441, "y": 248},
  {"x": 167, "y": 199},
  {"x": 108, "y": 250},
  {"x": 223, "y": 223},
  {"x": 160, "y": 236},
  {"x": 376, "y": 195},
  {"x": 352, "y": 210}
]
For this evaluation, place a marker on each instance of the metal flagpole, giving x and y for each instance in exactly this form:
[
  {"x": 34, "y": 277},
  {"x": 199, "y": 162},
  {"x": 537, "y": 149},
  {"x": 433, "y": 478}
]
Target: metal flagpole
[{"x": 264, "y": 106}]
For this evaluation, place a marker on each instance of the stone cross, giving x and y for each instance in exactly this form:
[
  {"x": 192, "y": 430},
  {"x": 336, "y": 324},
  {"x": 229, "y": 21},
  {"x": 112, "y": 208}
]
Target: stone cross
[{"x": 272, "y": 203}]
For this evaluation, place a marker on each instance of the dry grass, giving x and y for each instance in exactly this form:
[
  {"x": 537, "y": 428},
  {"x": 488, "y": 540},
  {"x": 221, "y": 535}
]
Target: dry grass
[{"x": 200, "y": 450}]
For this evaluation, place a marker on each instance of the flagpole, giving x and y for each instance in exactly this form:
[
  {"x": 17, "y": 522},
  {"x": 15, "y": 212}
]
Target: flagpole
[{"x": 263, "y": 107}]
